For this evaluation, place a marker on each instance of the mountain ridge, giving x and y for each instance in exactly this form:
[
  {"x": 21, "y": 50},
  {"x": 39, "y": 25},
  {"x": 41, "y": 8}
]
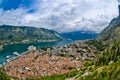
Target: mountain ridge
[
  {"x": 79, "y": 35},
  {"x": 19, "y": 33},
  {"x": 110, "y": 33}
]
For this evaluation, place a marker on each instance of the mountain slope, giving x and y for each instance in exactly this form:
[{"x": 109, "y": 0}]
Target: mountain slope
[
  {"x": 106, "y": 66},
  {"x": 111, "y": 33},
  {"x": 17, "y": 33},
  {"x": 79, "y": 35}
]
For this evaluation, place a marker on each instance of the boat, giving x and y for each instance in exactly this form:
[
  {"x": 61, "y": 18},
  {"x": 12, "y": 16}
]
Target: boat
[
  {"x": 16, "y": 53},
  {"x": 7, "y": 57}
]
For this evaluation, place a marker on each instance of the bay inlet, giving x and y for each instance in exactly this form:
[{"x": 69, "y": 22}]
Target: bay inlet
[{"x": 8, "y": 50}]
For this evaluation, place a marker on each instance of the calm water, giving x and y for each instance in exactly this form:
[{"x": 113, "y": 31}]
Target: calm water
[{"x": 20, "y": 48}]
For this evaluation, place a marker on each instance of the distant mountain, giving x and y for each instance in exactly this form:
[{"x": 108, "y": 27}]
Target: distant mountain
[
  {"x": 79, "y": 35},
  {"x": 23, "y": 33}
]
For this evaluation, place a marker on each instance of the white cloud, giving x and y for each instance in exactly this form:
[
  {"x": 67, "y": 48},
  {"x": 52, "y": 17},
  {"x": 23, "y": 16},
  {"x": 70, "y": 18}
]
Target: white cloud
[
  {"x": 64, "y": 15},
  {"x": 12, "y": 17}
]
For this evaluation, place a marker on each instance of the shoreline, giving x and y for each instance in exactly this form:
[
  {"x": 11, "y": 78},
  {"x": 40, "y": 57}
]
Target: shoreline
[
  {"x": 21, "y": 54},
  {"x": 12, "y": 59},
  {"x": 27, "y": 42},
  {"x": 69, "y": 55}
]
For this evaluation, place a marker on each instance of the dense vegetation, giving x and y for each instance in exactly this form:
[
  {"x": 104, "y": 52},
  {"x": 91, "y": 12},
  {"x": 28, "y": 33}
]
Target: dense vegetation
[
  {"x": 106, "y": 66},
  {"x": 98, "y": 44},
  {"x": 3, "y": 76},
  {"x": 58, "y": 77},
  {"x": 111, "y": 54},
  {"x": 17, "y": 33}
]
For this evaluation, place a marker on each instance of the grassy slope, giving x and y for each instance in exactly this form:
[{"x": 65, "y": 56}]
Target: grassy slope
[{"x": 58, "y": 76}]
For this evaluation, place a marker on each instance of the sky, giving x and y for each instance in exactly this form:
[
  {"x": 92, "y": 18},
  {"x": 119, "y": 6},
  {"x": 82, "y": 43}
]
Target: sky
[{"x": 59, "y": 15}]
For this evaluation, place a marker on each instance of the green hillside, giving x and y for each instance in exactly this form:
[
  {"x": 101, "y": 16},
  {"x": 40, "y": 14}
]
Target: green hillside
[
  {"x": 106, "y": 66},
  {"x": 26, "y": 34}
]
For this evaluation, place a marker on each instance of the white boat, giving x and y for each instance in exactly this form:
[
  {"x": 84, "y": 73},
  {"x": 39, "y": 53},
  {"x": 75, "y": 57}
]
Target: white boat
[
  {"x": 16, "y": 53},
  {"x": 7, "y": 57}
]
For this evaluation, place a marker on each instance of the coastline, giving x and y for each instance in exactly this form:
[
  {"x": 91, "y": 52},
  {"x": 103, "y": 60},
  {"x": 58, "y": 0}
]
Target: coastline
[
  {"x": 70, "y": 56},
  {"x": 14, "y": 58},
  {"x": 7, "y": 42},
  {"x": 57, "y": 43},
  {"x": 21, "y": 54}
]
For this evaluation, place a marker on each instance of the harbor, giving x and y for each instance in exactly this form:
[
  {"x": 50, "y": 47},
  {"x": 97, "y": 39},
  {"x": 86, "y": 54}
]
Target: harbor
[{"x": 11, "y": 52}]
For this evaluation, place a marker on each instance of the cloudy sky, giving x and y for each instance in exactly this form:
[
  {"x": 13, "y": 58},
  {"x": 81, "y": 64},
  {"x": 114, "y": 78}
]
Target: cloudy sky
[{"x": 60, "y": 15}]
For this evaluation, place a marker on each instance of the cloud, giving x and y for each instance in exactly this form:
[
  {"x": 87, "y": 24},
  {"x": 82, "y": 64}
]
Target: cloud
[{"x": 63, "y": 15}]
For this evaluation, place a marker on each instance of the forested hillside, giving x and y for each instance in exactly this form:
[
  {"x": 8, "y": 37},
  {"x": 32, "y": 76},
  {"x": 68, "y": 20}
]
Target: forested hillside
[{"x": 24, "y": 33}]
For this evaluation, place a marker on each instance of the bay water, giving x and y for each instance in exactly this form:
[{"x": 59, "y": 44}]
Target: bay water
[{"x": 20, "y": 48}]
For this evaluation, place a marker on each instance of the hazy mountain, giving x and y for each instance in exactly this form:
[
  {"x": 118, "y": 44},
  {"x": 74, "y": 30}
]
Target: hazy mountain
[
  {"x": 19, "y": 33},
  {"x": 79, "y": 35}
]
